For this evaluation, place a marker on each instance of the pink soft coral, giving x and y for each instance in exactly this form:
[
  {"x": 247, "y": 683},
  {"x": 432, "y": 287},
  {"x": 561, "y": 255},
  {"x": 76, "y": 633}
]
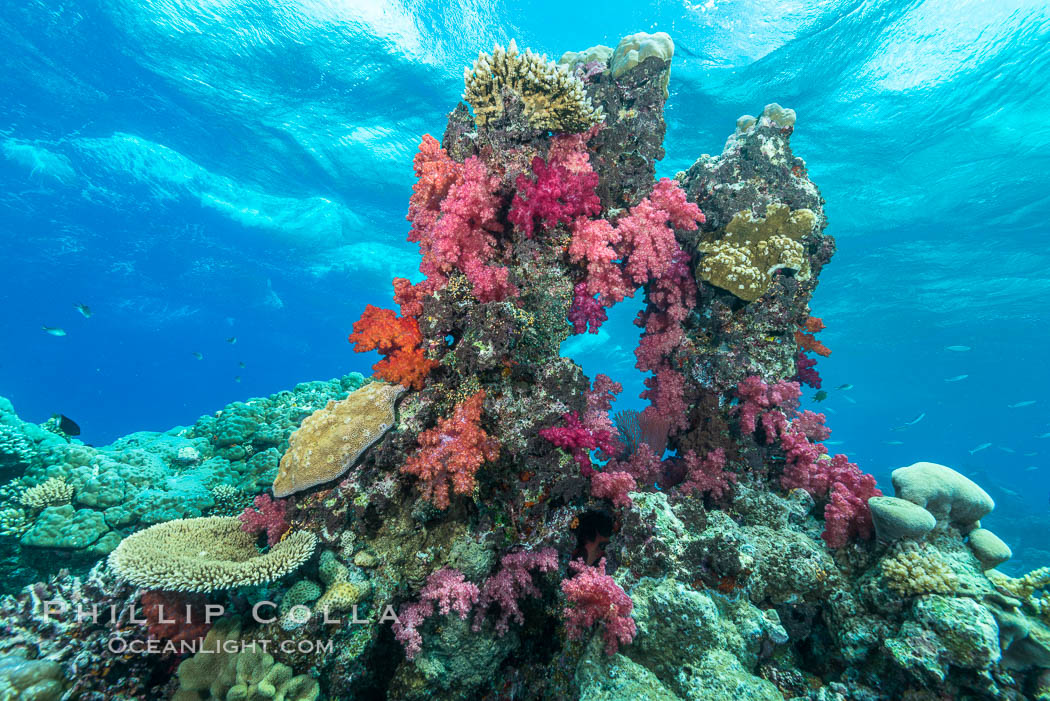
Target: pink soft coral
[
  {"x": 768, "y": 402},
  {"x": 707, "y": 475},
  {"x": 269, "y": 515},
  {"x": 448, "y": 591},
  {"x": 648, "y": 241},
  {"x": 594, "y": 597},
  {"x": 513, "y": 582},
  {"x": 451, "y": 453},
  {"x": 454, "y": 212},
  {"x": 557, "y": 195},
  {"x": 613, "y": 486}
]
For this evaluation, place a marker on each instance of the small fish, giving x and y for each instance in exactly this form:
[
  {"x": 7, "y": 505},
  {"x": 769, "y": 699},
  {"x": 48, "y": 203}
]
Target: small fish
[
  {"x": 198, "y": 355},
  {"x": 54, "y": 330},
  {"x": 1006, "y": 450},
  {"x": 833, "y": 442},
  {"x": 237, "y": 379},
  {"x": 231, "y": 340},
  {"x": 1011, "y": 492},
  {"x": 956, "y": 378},
  {"x": 1031, "y": 455},
  {"x": 241, "y": 364},
  {"x": 84, "y": 309},
  {"x": 981, "y": 447},
  {"x": 851, "y": 400},
  {"x": 1018, "y": 405},
  {"x": 830, "y": 410},
  {"x": 917, "y": 419},
  {"x": 957, "y": 349},
  {"x": 894, "y": 442},
  {"x": 820, "y": 396},
  {"x": 1045, "y": 435},
  {"x": 845, "y": 387},
  {"x": 1031, "y": 468},
  {"x": 67, "y": 425}
]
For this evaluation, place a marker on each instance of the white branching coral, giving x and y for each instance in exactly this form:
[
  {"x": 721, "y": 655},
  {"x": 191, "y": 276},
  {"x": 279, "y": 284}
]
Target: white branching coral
[
  {"x": 53, "y": 492},
  {"x": 552, "y": 97}
]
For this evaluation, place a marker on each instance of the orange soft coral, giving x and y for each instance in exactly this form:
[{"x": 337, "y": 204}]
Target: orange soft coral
[
  {"x": 451, "y": 453},
  {"x": 397, "y": 338},
  {"x": 808, "y": 341}
]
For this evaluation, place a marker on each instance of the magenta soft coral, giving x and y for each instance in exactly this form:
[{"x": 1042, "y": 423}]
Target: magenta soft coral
[
  {"x": 269, "y": 516},
  {"x": 447, "y": 591},
  {"x": 580, "y": 440},
  {"x": 757, "y": 400},
  {"x": 595, "y": 598}
]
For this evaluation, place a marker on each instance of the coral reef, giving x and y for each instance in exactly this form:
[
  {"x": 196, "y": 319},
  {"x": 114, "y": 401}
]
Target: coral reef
[{"x": 497, "y": 534}]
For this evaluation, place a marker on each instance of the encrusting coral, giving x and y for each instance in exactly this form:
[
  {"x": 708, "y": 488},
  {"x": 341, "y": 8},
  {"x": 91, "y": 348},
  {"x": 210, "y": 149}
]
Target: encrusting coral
[
  {"x": 205, "y": 554},
  {"x": 330, "y": 440},
  {"x": 915, "y": 569},
  {"x": 752, "y": 250},
  {"x": 552, "y": 98}
]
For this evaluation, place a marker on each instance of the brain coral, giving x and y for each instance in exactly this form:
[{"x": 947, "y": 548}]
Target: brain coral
[
  {"x": 553, "y": 98},
  {"x": 205, "y": 554},
  {"x": 331, "y": 439},
  {"x": 754, "y": 249}
]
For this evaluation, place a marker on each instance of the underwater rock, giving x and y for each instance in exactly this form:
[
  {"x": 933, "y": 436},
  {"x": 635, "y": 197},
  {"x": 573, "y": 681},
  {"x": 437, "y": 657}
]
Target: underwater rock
[
  {"x": 943, "y": 492},
  {"x": 899, "y": 518}
]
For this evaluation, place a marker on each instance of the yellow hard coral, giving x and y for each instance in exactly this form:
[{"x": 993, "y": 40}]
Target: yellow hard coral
[
  {"x": 342, "y": 594},
  {"x": 914, "y": 569},
  {"x": 744, "y": 260},
  {"x": 552, "y": 97},
  {"x": 330, "y": 440},
  {"x": 205, "y": 554}
]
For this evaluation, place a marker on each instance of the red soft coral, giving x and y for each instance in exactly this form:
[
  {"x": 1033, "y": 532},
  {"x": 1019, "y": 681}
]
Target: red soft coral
[
  {"x": 594, "y": 597},
  {"x": 397, "y": 338},
  {"x": 451, "y": 453},
  {"x": 174, "y": 616},
  {"x": 580, "y": 440},
  {"x": 613, "y": 486},
  {"x": 269, "y": 516}
]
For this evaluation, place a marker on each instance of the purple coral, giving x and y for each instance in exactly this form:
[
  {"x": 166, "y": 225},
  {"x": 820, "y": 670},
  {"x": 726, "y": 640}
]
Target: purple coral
[
  {"x": 513, "y": 582},
  {"x": 448, "y": 591},
  {"x": 594, "y": 597},
  {"x": 269, "y": 515}
]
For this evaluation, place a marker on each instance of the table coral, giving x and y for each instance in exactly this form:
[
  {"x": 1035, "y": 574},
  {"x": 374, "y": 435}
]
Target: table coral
[{"x": 205, "y": 554}]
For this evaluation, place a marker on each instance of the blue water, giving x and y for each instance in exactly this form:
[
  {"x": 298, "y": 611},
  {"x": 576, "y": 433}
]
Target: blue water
[{"x": 198, "y": 171}]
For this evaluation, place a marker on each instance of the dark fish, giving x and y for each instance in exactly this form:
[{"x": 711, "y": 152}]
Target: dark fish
[
  {"x": 241, "y": 364},
  {"x": 54, "y": 330},
  {"x": 67, "y": 425},
  {"x": 84, "y": 309},
  {"x": 231, "y": 340},
  {"x": 820, "y": 396},
  {"x": 237, "y": 379},
  {"x": 845, "y": 387},
  {"x": 198, "y": 355}
]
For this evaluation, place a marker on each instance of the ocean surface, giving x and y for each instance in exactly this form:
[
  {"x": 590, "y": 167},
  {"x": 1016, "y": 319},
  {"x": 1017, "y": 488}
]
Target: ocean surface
[{"x": 224, "y": 184}]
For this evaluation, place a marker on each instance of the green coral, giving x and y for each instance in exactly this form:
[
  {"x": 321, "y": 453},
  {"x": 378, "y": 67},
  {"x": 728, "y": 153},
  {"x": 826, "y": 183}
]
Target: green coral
[{"x": 744, "y": 260}]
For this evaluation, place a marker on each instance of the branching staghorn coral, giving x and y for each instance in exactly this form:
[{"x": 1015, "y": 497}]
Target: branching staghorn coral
[
  {"x": 914, "y": 569},
  {"x": 1026, "y": 588},
  {"x": 205, "y": 554},
  {"x": 553, "y": 98},
  {"x": 753, "y": 249},
  {"x": 53, "y": 492}
]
